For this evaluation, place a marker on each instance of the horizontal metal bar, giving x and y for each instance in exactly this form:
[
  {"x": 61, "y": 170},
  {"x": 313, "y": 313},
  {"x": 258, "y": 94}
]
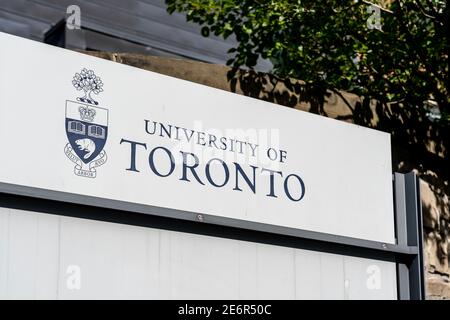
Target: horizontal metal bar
[{"x": 205, "y": 218}]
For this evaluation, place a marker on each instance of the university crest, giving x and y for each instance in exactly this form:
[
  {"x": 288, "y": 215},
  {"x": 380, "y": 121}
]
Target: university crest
[{"x": 86, "y": 126}]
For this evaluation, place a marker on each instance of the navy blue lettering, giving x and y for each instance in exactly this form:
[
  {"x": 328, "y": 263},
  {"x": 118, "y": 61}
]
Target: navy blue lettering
[
  {"x": 208, "y": 173},
  {"x": 151, "y": 162},
  {"x": 240, "y": 171},
  {"x": 147, "y": 129},
  {"x": 190, "y": 167},
  {"x": 302, "y": 186},
  {"x": 272, "y": 180},
  {"x": 133, "y": 145},
  {"x": 163, "y": 128}
]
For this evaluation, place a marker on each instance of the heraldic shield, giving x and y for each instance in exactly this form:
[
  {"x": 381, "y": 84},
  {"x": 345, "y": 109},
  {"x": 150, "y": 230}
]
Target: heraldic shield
[{"x": 87, "y": 131}]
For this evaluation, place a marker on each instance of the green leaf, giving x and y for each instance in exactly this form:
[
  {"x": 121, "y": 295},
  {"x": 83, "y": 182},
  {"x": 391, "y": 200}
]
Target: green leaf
[{"x": 205, "y": 31}]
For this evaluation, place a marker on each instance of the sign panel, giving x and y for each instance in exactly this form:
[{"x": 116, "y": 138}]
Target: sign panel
[{"x": 86, "y": 126}]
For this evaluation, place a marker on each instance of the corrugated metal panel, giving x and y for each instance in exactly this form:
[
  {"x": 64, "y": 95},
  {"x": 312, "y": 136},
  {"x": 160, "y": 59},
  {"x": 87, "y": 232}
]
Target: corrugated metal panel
[
  {"x": 137, "y": 26},
  {"x": 34, "y": 11},
  {"x": 86, "y": 38},
  {"x": 14, "y": 27},
  {"x": 150, "y": 31},
  {"x": 156, "y": 11},
  {"x": 23, "y": 26},
  {"x": 145, "y": 23}
]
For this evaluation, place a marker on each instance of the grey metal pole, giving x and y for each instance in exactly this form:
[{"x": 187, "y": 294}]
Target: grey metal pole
[{"x": 408, "y": 217}]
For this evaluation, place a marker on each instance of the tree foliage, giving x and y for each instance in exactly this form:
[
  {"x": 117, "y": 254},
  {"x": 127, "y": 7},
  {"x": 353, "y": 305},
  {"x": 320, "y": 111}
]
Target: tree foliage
[{"x": 330, "y": 45}]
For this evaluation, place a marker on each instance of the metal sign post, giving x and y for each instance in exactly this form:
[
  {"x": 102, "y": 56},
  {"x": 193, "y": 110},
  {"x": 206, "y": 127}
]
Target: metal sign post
[{"x": 408, "y": 215}]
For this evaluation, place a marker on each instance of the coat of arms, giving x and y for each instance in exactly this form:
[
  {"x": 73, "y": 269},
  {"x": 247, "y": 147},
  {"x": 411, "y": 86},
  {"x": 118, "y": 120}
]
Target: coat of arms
[{"x": 86, "y": 126}]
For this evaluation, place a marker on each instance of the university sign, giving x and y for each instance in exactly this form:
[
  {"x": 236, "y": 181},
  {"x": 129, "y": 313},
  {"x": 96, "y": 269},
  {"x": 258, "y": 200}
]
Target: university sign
[
  {"x": 215, "y": 172},
  {"x": 120, "y": 134}
]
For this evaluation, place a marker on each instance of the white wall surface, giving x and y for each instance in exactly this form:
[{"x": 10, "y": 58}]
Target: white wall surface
[{"x": 128, "y": 262}]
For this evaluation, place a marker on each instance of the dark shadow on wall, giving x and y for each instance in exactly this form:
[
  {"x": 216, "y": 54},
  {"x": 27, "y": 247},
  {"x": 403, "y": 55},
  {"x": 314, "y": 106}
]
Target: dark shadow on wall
[
  {"x": 417, "y": 142},
  {"x": 271, "y": 88},
  {"x": 436, "y": 232}
]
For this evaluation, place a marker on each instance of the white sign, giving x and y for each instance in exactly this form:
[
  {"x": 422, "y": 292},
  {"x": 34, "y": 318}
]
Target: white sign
[{"x": 73, "y": 123}]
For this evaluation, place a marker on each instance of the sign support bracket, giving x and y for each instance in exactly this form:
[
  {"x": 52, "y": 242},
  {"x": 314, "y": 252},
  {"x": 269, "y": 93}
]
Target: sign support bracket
[{"x": 408, "y": 222}]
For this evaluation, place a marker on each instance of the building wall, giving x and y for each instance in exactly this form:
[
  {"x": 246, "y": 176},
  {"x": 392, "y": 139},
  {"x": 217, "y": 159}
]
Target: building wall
[
  {"x": 436, "y": 212},
  {"x": 42, "y": 255}
]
